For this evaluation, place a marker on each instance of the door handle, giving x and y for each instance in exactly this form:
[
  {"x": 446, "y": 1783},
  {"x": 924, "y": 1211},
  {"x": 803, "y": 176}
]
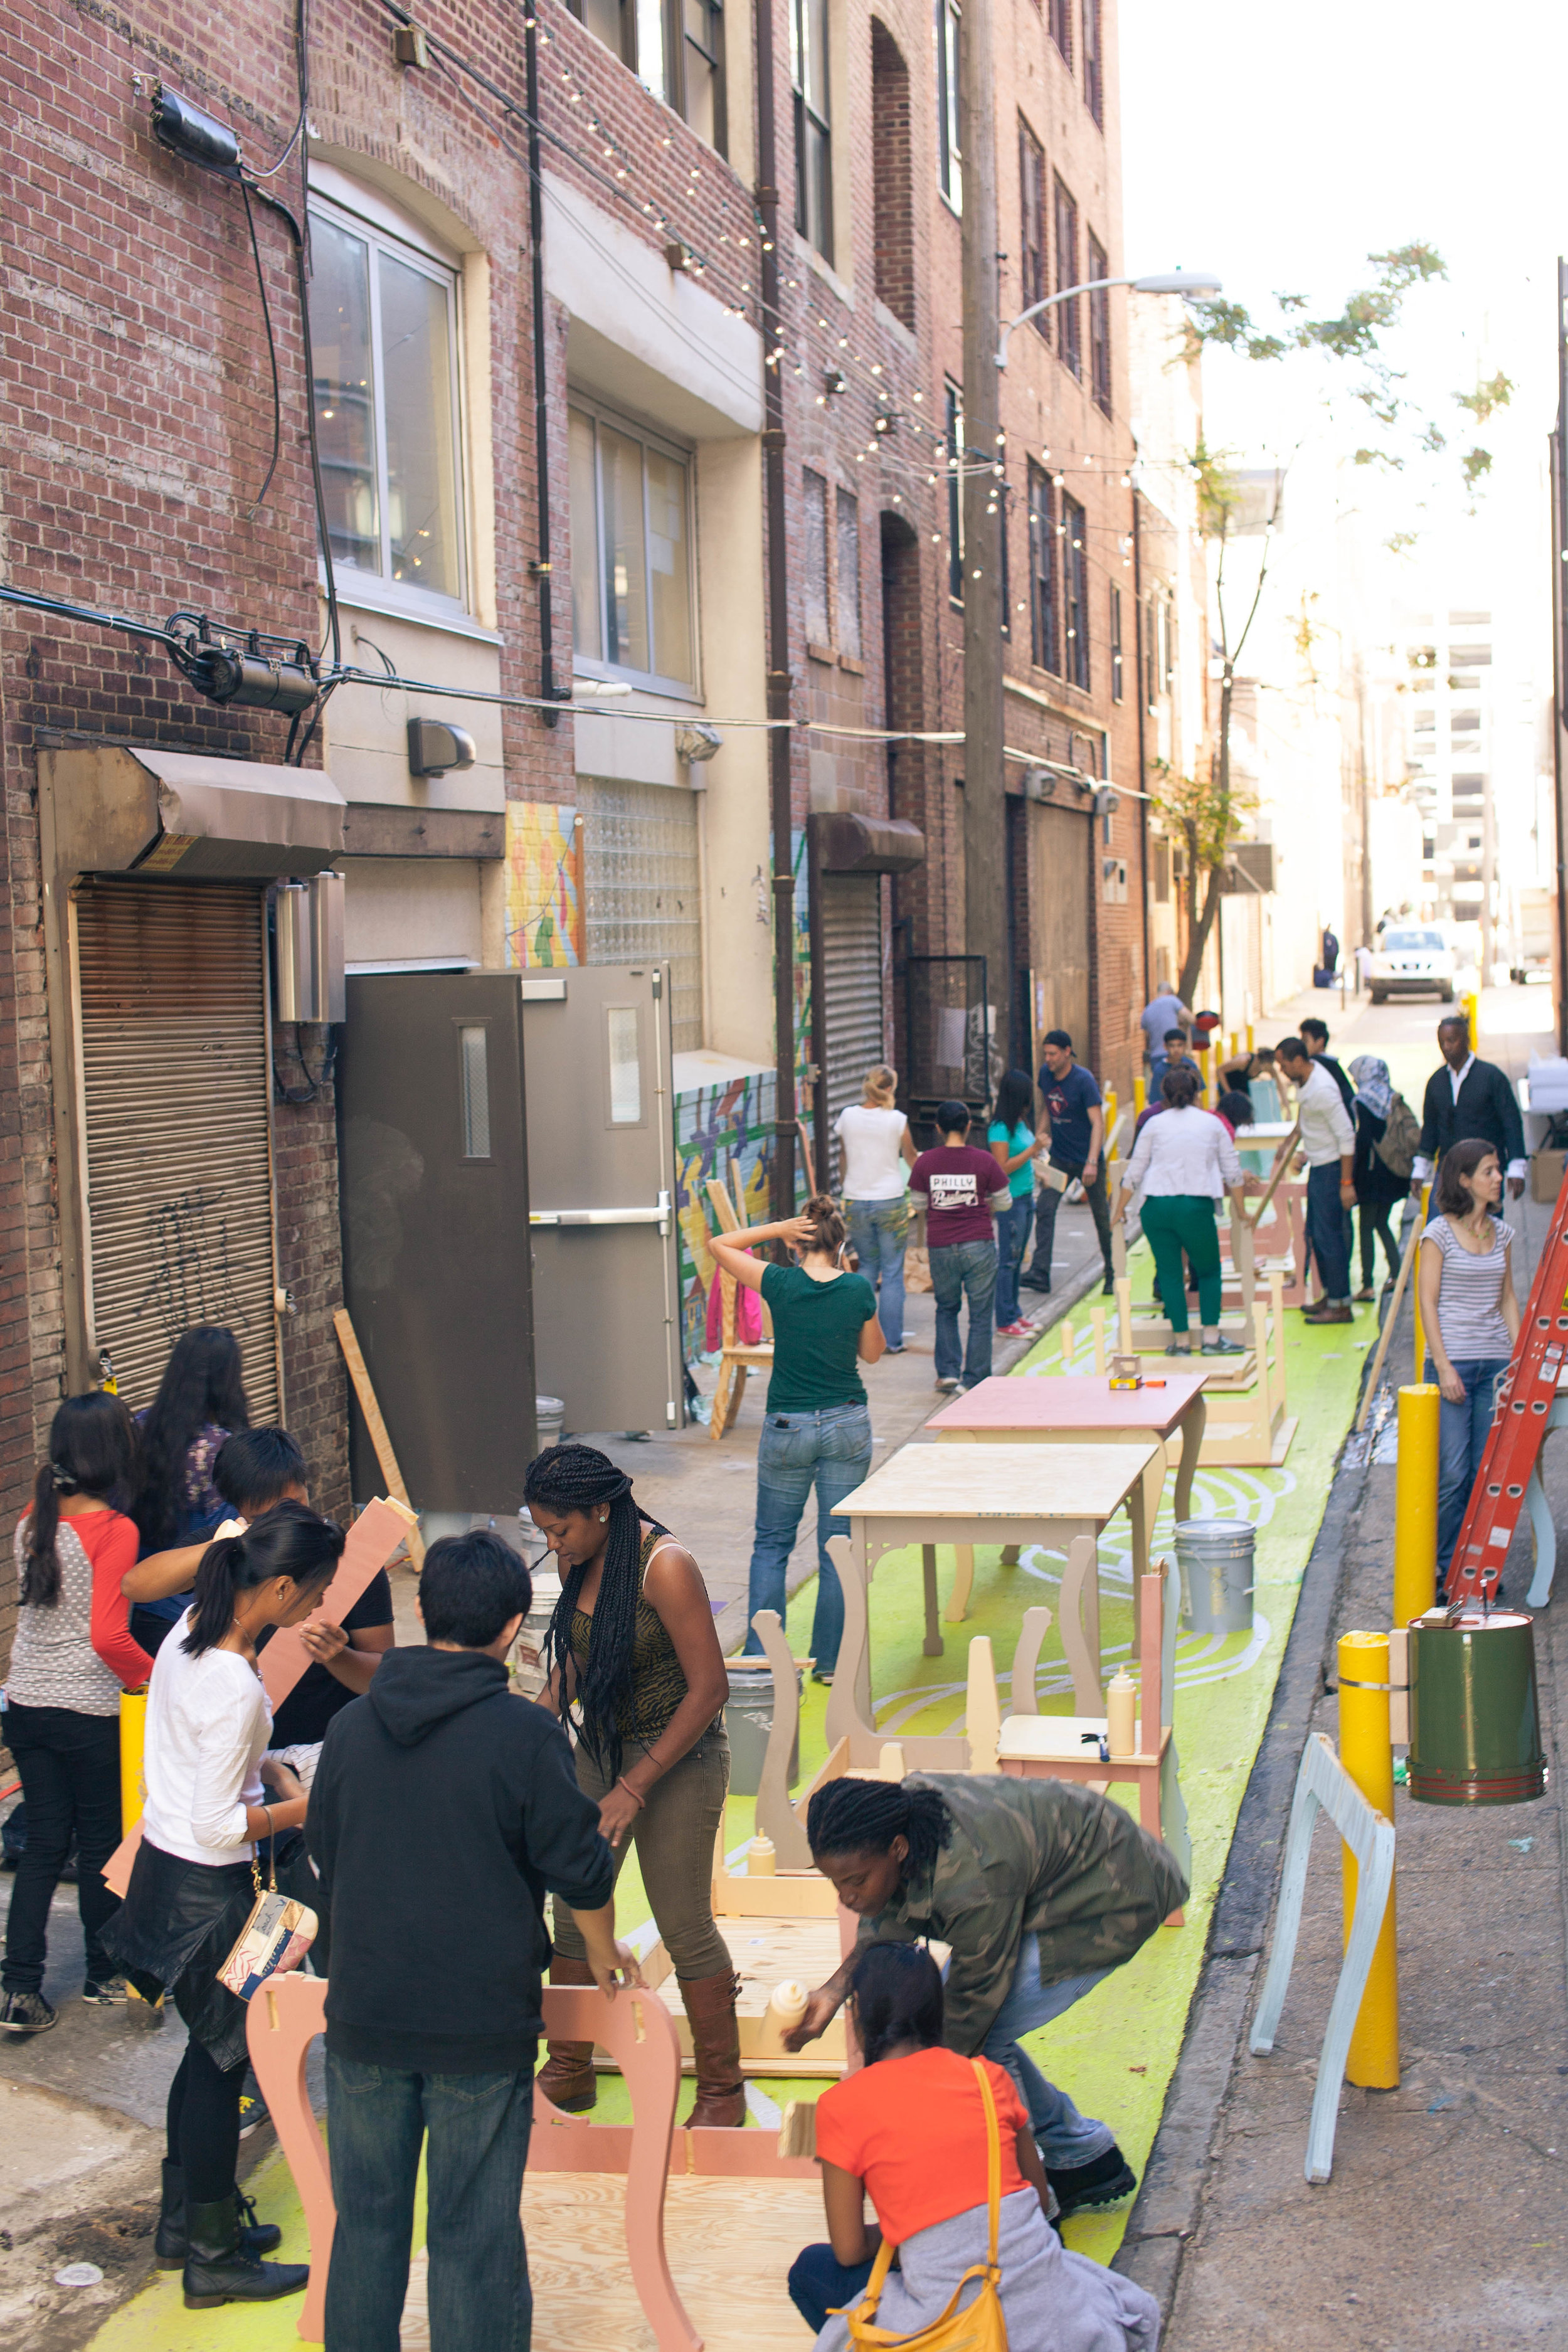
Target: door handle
[{"x": 659, "y": 1215}]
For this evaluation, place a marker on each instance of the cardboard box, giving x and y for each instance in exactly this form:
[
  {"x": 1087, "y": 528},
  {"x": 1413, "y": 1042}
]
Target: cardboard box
[{"x": 1546, "y": 1175}]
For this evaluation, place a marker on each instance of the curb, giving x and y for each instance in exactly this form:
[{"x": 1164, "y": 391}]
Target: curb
[{"x": 1164, "y": 2218}]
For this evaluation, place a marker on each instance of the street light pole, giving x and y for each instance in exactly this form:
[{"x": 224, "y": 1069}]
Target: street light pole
[{"x": 1172, "y": 282}]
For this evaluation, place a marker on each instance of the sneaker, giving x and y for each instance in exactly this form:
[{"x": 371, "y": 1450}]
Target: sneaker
[
  {"x": 1365, "y": 1294},
  {"x": 105, "y": 1992},
  {"x": 1222, "y": 1346},
  {"x": 1343, "y": 1312},
  {"x": 946, "y": 1388},
  {"x": 25, "y": 2013},
  {"x": 252, "y": 2108},
  {"x": 1178, "y": 1347},
  {"x": 1108, "y": 1288},
  {"x": 1019, "y": 1330},
  {"x": 891, "y": 1350},
  {"x": 1033, "y": 1281},
  {"x": 1104, "y": 2181}
]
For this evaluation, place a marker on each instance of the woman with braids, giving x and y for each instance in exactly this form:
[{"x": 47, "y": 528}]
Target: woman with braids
[
  {"x": 910, "y": 2132},
  {"x": 72, "y": 1656},
  {"x": 818, "y": 1429},
  {"x": 1040, "y": 1888},
  {"x": 637, "y": 1673},
  {"x": 213, "y": 1794},
  {"x": 200, "y": 1402}
]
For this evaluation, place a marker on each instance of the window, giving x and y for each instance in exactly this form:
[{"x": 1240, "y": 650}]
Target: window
[
  {"x": 949, "y": 143},
  {"x": 819, "y": 619},
  {"x": 1044, "y": 625},
  {"x": 701, "y": 102},
  {"x": 613, "y": 22},
  {"x": 1075, "y": 580},
  {"x": 1117, "y": 683},
  {"x": 1100, "y": 328},
  {"x": 626, "y": 1065},
  {"x": 848, "y": 640},
  {"x": 1004, "y": 573},
  {"x": 1150, "y": 675},
  {"x": 892, "y": 177},
  {"x": 385, "y": 346},
  {"x": 1161, "y": 862},
  {"x": 812, "y": 149},
  {"x": 1059, "y": 18},
  {"x": 631, "y": 552},
  {"x": 955, "y": 493},
  {"x": 1032, "y": 225},
  {"x": 1094, "y": 61},
  {"x": 676, "y": 47},
  {"x": 473, "y": 1047},
  {"x": 1067, "y": 334}
]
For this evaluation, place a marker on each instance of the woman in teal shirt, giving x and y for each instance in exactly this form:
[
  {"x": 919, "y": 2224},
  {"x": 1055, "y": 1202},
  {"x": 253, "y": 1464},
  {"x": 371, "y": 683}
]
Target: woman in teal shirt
[
  {"x": 1013, "y": 1143},
  {"x": 817, "y": 1432}
]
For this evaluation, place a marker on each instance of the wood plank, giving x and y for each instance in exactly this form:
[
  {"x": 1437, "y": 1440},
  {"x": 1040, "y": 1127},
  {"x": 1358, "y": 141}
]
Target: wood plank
[{"x": 380, "y": 1437}]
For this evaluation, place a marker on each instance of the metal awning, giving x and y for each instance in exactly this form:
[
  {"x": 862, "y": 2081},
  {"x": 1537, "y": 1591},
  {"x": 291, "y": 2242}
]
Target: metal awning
[
  {"x": 119, "y": 809},
  {"x": 848, "y": 843}
]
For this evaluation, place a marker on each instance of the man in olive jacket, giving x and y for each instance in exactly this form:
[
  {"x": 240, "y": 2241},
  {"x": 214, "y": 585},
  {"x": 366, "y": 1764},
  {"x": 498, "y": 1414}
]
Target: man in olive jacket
[{"x": 1040, "y": 1887}]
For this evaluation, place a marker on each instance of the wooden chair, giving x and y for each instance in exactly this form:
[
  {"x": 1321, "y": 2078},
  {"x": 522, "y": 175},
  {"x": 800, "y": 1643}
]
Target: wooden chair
[{"x": 735, "y": 1360}]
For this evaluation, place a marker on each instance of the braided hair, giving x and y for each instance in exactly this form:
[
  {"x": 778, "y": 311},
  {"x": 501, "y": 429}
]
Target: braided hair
[
  {"x": 579, "y": 1478},
  {"x": 851, "y": 1816}
]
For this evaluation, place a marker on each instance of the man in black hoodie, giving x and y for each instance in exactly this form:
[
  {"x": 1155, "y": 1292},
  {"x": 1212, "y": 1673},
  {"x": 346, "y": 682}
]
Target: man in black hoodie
[{"x": 444, "y": 1807}]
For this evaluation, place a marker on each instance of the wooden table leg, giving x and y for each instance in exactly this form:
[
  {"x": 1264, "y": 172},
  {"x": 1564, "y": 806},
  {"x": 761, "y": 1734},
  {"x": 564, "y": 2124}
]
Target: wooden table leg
[
  {"x": 963, "y": 1585},
  {"x": 1193, "y": 1423},
  {"x": 1080, "y": 1637},
  {"x": 1142, "y": 1508},
  {"x": 928, "y": 1566}
]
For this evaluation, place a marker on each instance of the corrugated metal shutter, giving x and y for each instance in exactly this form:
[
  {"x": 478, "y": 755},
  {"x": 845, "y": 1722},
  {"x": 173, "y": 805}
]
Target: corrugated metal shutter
[
  {"x": 851, "y": 988},
  {"x": 176, "y": 1147}
]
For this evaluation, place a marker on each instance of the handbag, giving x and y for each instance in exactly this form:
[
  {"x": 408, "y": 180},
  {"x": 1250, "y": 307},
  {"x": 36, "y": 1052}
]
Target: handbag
[
  {"x": 275, "y": 1938},
  {"x": 980, "y": 2326}
]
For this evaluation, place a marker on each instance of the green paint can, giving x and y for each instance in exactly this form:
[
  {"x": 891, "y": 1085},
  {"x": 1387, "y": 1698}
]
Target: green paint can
[{"x": 1475, "y": 1725}]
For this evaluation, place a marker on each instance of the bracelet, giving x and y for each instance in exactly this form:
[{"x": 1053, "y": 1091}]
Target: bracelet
[{"x": 622, "y": 1782}]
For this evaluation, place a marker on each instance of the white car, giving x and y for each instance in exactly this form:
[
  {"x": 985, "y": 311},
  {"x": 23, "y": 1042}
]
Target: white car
[{"x": 1412, "y": 960}]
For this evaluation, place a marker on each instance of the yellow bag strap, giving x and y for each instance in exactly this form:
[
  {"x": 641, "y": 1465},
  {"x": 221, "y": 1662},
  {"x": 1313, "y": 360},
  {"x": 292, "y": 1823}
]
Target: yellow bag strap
[{"x": 992, "y": 2156}]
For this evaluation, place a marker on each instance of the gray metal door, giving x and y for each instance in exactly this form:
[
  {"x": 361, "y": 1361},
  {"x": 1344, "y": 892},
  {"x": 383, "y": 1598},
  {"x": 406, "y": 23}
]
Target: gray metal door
[
  {"x": 601, "y": 1178},
  {"x": 852, "y": 998},
  {"x": 434, "y": 1181}
]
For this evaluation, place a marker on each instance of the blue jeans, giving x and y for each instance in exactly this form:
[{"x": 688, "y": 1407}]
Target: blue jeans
[
  {"x": 878, "y": 1230},
  {"x": 831, "y": 1451},
  {"x": 965, "y": 1270},
  {"x": 1064, "y": 2138},
  {"x": 819, "y": 2283},
  {"x": 478, "y": 2128},
  {"x": 1461, "y": 1440},
  {"x": 1329, "y": 1230},
  {"x": 1013, "y": 1229}
]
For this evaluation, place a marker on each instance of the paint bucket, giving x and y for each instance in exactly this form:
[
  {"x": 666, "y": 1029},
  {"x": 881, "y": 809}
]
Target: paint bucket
[
  {"x": 530, "y": 1677},
  {"x": 1216, "y": 1561},
  {"x": 549, "y": 1413},
  {"x": 1475, "y": 1724},
  {"x": 749, "y": 1719}
]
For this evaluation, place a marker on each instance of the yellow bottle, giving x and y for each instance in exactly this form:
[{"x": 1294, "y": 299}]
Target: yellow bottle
[{"x": 1120, "y": 1702}]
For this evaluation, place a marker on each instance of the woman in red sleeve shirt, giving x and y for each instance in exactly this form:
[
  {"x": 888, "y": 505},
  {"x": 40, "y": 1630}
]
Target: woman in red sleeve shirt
[
  {"x": 72, "y": 1656},
  {"x": 909, "y": 2130}
]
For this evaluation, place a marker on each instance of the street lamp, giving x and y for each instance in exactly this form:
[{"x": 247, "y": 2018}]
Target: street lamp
[{"x": 1173, "y": 281}]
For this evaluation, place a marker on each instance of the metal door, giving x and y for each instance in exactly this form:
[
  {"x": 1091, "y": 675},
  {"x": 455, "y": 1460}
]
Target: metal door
[
  {"x": 433, "y": 1180},
  {"x": 1062, "y": 858},
  {"x": 851, "y": 984},
  {"x": 601, "y": 1173}
]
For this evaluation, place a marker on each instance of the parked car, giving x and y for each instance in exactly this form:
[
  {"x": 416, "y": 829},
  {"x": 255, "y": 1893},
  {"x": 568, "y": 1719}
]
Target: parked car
[{"x": 1412, "y": 960}]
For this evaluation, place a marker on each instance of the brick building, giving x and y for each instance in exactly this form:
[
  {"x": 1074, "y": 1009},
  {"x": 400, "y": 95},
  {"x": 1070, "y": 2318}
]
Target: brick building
[{"x": 541, "y": 467}]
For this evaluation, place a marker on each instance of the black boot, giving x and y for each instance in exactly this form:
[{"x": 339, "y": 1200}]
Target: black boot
[
  {"x": 254, "y": 2237},
  {"x": 218, "y": 2269},
  {"x": 1103, "y": 2181}
]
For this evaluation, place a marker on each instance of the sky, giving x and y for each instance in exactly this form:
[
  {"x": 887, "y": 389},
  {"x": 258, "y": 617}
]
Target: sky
[{"x": 1281, "y": 146}]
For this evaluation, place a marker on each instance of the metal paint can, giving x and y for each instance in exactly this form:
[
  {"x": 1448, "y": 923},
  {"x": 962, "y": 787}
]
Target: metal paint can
[
  {"x": 1475, "y": 1722},
  {"x": 1216, "y": 1561}
]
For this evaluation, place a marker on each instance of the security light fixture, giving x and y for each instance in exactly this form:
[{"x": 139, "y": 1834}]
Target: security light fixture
[
  {"x": 187, "y": 130},
  {"x": 434, "y": 747}
]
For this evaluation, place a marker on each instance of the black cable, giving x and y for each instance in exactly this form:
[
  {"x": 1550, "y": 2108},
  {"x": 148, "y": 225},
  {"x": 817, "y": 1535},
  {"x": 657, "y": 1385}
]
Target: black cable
[
  {"x": 64, "y": 610},
  {"x": 271, "y": 356}
]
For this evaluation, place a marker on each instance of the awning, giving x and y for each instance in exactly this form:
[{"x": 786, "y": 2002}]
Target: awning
[
  {"x": 116, "y": 810},
  {"x": 847, "y": 843}
]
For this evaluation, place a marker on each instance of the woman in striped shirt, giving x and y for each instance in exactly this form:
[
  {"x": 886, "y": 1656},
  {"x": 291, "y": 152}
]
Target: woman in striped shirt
[{"x": 1470, "y": 1316}]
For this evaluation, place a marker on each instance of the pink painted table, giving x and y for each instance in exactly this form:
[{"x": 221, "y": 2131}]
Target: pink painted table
[{"x": 1072, "y": 1409}]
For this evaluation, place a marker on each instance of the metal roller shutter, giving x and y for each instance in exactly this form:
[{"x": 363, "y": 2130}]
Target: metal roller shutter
[
  {"x": 851, "y": 991},
  {"x": 176, "y": 1135}
]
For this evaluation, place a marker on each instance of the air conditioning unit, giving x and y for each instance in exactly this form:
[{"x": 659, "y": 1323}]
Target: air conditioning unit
[{"x": 1249, "y": 871}]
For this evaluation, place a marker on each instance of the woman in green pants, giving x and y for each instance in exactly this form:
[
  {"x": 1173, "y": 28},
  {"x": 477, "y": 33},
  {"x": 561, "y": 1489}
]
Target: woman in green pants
[{"x": 1184, "y": 1163}]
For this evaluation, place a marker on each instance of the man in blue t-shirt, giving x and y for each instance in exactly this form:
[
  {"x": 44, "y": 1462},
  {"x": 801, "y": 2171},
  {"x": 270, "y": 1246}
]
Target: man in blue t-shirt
[{"x": 1077, "y": 1117}]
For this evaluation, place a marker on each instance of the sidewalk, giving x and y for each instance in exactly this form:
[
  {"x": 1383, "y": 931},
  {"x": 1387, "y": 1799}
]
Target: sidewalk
[{"x": 1445, "y": 2222}]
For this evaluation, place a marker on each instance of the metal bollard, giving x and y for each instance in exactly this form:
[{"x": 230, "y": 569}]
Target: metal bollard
[
  {"x": 1420, "y": 1370},
  {"x": 1366, "y": 1752},
  {"x": 1415, "y": 1502},
  {"x": 1140, "y": 1097},
  {"x": 132, "y": 1739}
]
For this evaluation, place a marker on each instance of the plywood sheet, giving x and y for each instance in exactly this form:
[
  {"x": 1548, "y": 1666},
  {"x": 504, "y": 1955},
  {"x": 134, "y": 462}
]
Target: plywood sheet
[
  {"x": 730, "y": 2244},
  {"x": 1003, "y": 1481}
]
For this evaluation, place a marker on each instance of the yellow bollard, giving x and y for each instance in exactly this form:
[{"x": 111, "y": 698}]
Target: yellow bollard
[
  {"x": 1112, "y": 1112},
  {"x": 1420, "y": 1372},
  {"x": 1140, "y": 1097},
  {"x": 1252, "y": 1041},
  {"x": 132, "y": 1739},
  {"x": 1415, "y": 1502},
  {"x": 1367, "y": 1755}
]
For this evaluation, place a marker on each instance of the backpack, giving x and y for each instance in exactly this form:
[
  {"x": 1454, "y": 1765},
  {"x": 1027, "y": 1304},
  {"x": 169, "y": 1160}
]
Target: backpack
[{"x": 1400, "y": 1139}]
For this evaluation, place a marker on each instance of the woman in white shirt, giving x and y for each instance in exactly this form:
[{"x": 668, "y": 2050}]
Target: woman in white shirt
[
  {"x": 1182, "y": 1163},
  {"x": 193, "y": 1880},
  {"x": 874, "y": 1137}
]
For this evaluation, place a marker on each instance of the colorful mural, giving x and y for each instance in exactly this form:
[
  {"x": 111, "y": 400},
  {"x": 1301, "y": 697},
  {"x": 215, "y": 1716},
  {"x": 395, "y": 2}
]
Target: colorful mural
[
  {"x": 724, "y": 1130},
  {"x": 544, "y": 911}
]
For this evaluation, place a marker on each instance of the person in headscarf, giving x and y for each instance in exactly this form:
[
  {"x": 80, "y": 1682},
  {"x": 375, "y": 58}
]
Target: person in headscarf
[{"x": 1378, "y": 1185}]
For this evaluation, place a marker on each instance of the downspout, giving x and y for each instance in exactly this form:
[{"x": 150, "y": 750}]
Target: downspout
[
  {"x": 540, "y": 569},
  {"x": 785, "y": 1125},
  {"x": 1142, "y": 745}
]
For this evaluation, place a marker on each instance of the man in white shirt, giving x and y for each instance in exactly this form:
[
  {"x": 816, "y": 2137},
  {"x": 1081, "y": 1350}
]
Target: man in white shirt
[{"x": 1327, "y": 1148}]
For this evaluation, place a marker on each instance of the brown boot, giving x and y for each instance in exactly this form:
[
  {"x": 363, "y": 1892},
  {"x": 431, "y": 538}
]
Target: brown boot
[
  {"x": 716, "y": 2045},
  {"x": 567, "y": 2077}
]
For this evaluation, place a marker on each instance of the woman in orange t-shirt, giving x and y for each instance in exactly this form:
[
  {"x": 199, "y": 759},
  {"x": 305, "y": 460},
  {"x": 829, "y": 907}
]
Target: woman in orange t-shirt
[{"x": 909, "y": 2131}]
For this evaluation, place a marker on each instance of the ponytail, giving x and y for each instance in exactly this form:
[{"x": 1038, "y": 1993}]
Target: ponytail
[
  {"x": 288, "y": 1542},
  {"x": 93, "y": 1450}
]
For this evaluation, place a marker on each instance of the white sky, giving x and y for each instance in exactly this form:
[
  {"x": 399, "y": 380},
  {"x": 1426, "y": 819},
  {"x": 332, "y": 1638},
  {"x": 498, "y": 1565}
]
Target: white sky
[{"x": 1279, "y": 146}]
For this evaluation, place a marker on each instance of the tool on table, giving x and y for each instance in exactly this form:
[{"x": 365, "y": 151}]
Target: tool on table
[{"x": 1126, "y": 1372}]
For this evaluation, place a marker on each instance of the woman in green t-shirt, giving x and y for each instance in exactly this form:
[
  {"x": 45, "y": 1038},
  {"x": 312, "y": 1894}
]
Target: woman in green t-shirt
[{"x": 817, "y": 1432}]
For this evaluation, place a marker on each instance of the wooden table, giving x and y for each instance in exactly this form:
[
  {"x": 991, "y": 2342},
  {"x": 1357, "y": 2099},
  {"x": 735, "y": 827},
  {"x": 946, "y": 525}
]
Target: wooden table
[
  {"x": 1073, "y": 1409},
  {"x": 965, "y": 1494}
]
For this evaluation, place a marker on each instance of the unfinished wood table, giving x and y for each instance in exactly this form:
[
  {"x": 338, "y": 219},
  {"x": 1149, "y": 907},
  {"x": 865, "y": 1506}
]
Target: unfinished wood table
[
  {"x": 965, "y": 1494},
  {"x": 1074, "y": 1409}
]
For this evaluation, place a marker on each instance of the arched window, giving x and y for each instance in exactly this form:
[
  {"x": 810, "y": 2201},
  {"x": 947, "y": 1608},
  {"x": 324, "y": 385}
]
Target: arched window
[{"x": 892, "y": 176}]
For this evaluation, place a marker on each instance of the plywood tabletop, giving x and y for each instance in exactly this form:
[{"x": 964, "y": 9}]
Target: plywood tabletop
[
  {"x": 1001, "y": 1482},
  {"x": 1070, "y": 1401}
]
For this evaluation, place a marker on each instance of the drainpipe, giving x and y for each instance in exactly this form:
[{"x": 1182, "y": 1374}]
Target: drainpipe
[
  {"x": 540, "y": 569},
  {"x": 1142, "y": 745}
]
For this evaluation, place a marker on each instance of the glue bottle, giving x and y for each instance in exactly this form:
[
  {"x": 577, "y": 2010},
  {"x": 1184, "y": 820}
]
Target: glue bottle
[
  {"x": 761, "y": 1860},
  {"x": 1120, "y": 1702}
]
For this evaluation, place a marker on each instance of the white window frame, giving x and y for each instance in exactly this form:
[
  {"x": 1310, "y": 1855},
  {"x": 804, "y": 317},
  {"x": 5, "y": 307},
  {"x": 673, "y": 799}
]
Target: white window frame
[
  {"x": 385, "y": 229},
  {"x": 591, "y": 665},
  {"x": 949, "y": 104}
]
